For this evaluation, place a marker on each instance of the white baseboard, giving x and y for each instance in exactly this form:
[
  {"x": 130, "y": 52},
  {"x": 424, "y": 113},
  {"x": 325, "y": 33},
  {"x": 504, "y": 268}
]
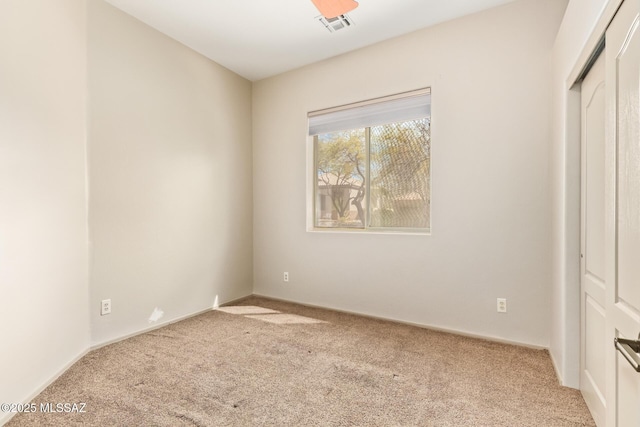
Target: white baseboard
[
  {"x": 95, "y": 346},
  {"x": 419, "y": 325},
  {"x": 558, "y": 372},
  {"x": 555, "y": 368},
  {"x": 5, "y": 417}
]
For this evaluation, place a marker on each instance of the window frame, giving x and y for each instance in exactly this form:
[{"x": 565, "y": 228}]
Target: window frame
[{"x": 312, "y": 185}]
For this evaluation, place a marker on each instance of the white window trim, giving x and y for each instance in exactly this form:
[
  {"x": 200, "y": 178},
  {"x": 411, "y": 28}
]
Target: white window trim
[{"x": 311, "y": 174}]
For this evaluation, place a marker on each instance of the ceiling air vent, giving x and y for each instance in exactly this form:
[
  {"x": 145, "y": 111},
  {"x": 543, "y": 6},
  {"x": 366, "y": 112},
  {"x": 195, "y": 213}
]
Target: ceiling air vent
[{"x": 337, "y": 23}]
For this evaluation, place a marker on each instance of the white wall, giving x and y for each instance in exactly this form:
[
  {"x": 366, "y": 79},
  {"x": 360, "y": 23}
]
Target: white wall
[
  {"x": 171, "y": 182},
  {"x": 44, "y": 323},
  {"x": 577, "y": 25},
  {"x": 169, "y": 174},
  {"x": 490, "y": 74}
]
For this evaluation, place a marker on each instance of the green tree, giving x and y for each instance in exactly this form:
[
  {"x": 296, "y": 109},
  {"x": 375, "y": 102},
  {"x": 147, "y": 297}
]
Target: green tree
[
  {"x": 341, "y": 169},
  {"x": 399, "y": 156}
]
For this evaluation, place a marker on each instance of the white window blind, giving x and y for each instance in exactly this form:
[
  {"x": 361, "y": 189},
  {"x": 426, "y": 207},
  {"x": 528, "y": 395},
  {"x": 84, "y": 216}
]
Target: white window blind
[{"x": 397, "y": 108}]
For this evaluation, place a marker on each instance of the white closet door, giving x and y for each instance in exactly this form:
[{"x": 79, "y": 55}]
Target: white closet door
[
  {"x": 622, "y": 213},
  {"x": 592, "y": 255}
]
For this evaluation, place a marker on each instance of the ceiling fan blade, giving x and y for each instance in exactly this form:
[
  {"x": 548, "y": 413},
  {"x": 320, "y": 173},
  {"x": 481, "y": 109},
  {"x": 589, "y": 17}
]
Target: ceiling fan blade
[{"x": 333, "y": 8}]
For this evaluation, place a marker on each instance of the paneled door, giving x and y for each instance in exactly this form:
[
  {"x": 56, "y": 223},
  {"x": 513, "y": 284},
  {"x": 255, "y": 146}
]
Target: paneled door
[
  {"x": 592, "y": 255},
  {"x": 622, "y": 214}
]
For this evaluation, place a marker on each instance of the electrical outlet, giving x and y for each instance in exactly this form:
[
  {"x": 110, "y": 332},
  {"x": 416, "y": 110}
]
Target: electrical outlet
[
  {"x": 286, "y": 276},
  {"x": 105, "y": 307},
  {"x": 502, "y": 305}
]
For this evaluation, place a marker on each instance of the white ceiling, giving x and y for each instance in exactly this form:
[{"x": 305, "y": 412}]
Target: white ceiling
[{"x": 262, "y": 38}]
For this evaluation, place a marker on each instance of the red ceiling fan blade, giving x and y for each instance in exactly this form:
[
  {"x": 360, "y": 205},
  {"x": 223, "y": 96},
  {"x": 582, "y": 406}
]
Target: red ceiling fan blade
[{"x": 333, "y": 8}]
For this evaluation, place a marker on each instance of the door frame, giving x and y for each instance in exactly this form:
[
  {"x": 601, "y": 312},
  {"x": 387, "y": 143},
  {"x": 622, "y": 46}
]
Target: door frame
[{"x": 570, "y": 251}]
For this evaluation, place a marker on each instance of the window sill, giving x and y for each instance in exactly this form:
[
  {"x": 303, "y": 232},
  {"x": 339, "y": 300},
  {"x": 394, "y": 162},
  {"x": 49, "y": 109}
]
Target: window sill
[{"x": 369, "y": 231}]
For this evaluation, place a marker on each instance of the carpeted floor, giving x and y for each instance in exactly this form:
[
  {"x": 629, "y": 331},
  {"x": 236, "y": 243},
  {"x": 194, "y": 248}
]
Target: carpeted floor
[{"x": 271, "y": 363}]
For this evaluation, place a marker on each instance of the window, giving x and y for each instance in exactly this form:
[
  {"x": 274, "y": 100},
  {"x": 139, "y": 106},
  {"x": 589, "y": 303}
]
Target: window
[{"x": 372, "y": 163}]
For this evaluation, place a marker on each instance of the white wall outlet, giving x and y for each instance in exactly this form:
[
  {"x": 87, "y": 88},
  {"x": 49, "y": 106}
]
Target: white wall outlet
[
  {"x": 105, "y": 307},
  {"x": 502, "y": 305},
  {"x": 285, "y": 277}
]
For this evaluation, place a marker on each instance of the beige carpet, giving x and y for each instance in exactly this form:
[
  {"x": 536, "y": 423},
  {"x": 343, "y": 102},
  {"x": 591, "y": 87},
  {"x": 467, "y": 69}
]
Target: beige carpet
[{"x": 290, "y": 365}]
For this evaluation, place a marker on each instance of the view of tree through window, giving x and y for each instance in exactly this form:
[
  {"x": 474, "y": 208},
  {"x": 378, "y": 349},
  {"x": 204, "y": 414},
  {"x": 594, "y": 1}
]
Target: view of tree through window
[
  {"x": 374, "y": 177},
  {"x": 342, "y": 168}
]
